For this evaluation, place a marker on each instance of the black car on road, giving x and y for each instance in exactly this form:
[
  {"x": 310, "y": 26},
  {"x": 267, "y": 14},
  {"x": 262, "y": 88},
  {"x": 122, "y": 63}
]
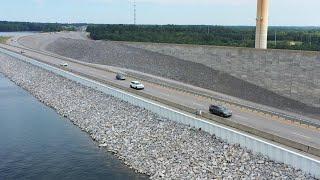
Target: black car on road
[
  {"x": 220, "y": 111},
  {"x": 120, "y": 77}
]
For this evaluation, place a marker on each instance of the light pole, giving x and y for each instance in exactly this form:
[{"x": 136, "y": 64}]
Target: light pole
[{"x": 275, "y": 39}]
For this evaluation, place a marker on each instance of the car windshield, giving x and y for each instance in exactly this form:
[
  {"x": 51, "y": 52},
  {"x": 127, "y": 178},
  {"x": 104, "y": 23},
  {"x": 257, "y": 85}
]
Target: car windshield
[{"x": 223, "y": 109}]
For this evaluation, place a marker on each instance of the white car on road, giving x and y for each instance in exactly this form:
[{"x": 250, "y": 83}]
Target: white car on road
[
  {"x": 64, "y": 64},
  {"x": 136, "y": 85}
]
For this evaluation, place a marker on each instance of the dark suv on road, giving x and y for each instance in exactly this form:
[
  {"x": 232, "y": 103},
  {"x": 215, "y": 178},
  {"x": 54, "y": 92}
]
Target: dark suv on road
[{"x": 220, "y": 111}]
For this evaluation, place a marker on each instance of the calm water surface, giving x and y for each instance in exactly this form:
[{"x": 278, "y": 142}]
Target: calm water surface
[
  {"x": 9, "y": 34},
  {"x": 36, "y": 143}
]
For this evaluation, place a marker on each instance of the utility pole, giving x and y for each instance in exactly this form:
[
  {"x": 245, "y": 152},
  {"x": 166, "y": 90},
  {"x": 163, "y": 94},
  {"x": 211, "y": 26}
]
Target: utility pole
[
  {"x": 310, "y": 40},
  {"x": 275, "y": 38}
]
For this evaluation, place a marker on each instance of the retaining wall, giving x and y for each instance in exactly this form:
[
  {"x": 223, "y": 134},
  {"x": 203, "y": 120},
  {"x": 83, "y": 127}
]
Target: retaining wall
[
  {"x": 293, "y": 74},
  {"x": 257, "y": 145}
]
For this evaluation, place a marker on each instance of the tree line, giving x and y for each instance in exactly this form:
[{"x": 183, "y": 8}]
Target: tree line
[
  {"x": 6, "y": 26},
  {"x": 299, "y": 38}
]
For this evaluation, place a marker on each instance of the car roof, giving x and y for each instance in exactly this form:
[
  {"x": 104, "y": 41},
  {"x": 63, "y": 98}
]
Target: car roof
[
  {"x": 136, "y": 82},
  {"x": 218, "y": 106}
]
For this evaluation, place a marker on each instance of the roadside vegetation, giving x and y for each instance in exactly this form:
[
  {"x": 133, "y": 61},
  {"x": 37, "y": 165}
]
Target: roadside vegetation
[
  {"x": 3, "y": 39},
  {"x": 298, "y": 38},
  {"x": 6, "y": 26}
]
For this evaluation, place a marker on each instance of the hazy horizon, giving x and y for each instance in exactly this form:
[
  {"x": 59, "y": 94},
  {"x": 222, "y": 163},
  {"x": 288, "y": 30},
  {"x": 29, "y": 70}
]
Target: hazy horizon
[{"x": 161, "y": 12}]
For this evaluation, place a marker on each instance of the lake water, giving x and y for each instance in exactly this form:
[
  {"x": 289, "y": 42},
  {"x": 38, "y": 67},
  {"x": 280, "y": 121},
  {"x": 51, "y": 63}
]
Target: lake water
[
  {"x": 36, "y": 143},
  {"x": 10, "y": 34}
]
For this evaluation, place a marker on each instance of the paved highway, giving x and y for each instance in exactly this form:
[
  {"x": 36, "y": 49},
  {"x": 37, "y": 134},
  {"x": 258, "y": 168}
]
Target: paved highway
[{"x": 278, "y": 127}]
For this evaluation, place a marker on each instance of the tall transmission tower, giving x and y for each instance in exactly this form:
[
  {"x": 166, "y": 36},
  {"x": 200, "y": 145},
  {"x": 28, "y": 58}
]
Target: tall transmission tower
[{"x": 134, "y": 12}]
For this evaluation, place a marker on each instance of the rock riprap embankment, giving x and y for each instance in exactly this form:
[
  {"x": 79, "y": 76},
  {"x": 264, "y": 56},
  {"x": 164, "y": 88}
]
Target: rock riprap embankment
[{"x": 143, "y": 140}]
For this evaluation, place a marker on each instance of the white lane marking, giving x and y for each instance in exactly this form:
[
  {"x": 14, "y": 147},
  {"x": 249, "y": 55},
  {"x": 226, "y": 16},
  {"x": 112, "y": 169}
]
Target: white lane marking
[
  {"x": 197, "y": 104},
  {"x": 164, "y": 94},
  {"x": 72, "y": 76},
  {"x": 301, "y": 135}
]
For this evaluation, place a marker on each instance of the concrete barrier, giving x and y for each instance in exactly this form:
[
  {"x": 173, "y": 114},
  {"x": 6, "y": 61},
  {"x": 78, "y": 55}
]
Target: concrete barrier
[
  {"x": 256, "y": 144},
  {"x": 219, "y": 100}
]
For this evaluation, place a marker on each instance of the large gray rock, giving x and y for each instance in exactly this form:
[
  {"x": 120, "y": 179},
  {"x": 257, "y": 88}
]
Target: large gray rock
[{"x": 141, "y": 139}]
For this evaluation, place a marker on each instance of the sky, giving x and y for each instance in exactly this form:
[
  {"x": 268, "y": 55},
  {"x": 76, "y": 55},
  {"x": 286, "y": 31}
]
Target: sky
[{"x": 208, "y": 12}]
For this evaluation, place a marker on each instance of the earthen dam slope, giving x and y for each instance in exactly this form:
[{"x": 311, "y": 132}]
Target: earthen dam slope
[{"x": 140, "y": 57}]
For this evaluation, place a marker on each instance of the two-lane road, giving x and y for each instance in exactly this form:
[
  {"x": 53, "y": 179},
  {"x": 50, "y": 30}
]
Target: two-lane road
[{"x": 307, "y": 136}]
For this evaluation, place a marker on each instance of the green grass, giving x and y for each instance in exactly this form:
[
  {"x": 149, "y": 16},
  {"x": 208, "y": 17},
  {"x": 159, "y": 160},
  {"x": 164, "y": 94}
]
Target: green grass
[{"x": 3, "y": 39}]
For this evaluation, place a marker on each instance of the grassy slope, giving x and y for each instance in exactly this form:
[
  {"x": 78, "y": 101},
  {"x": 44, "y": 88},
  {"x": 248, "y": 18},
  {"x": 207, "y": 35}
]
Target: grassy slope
[{"x": 3, "y": 39}]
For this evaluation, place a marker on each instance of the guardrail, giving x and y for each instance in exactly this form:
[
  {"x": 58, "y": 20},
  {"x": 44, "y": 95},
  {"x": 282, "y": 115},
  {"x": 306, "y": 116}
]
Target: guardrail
[
  {"x": 263, "y": 134},
  {"x": 257, "y": 145},
  {"x": 238, "y": 104},
  {"x": 301, "y": 121}
]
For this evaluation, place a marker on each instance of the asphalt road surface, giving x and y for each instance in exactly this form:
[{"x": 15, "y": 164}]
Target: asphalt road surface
[
  {"x": 304, "y": 135},
  {"x": 121, "y": 55}
]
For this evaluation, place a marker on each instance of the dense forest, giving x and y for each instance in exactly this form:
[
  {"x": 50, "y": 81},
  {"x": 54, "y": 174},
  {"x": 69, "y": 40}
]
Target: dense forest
[
  {"x": 299, "y": 38},
  {"x": 6, "y": 26}
]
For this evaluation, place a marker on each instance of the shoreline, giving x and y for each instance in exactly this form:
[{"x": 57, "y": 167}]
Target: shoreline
[
  {"x": 144, "y": 141},
  {"x": 35, "y": 140}
]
